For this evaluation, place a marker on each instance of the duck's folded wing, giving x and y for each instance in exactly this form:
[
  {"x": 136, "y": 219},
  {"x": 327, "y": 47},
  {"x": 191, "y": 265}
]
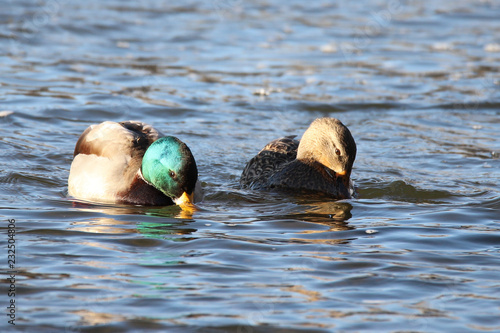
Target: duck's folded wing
[
  {"x": 287, "y": 146},
  {"x": 109, "y": 138},
  {"x": 269, "y": 160}
]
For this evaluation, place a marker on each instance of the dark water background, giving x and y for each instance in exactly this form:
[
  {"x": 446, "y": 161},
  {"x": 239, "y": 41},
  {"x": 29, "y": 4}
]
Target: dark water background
[{"x": 417, "y": 82}]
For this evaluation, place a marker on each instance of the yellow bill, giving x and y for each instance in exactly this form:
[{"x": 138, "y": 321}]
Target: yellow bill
[
  {"x": 185, "y": 201},
  {"x": 341, "y": 173}
]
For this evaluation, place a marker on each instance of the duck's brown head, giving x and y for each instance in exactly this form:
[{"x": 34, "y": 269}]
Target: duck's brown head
[{"x": 330, "y": 143}]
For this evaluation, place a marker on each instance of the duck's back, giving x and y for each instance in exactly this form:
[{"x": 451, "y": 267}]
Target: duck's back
[
  {"x": 271, "y": 159},
  {"x": 107, "y": 157},
  {"x": 111, "y": 139}
]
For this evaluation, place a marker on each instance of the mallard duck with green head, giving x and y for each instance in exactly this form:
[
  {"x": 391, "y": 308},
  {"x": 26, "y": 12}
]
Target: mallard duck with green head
[
  {"x": 320, "y": 162},
  {"x": 131, "y": 162}
]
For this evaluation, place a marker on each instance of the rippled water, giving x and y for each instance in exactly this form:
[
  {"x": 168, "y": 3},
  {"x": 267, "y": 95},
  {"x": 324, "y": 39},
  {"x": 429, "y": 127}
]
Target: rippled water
[{"x": 417, "y": 82}]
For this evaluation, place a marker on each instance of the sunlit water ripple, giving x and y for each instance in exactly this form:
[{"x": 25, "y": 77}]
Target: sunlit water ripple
[{"x": 416, "y": 83}]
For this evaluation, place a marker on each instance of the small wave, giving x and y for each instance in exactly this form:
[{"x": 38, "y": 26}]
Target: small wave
[{"x": 400, "y": 190}]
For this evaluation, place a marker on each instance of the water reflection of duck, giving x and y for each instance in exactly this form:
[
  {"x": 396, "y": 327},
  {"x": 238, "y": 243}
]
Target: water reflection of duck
[
  {"x": 133, "y": 163},
  {"x": 327, "y": 219},
  {"x": 321, "y": 162},
  {"x": 149, "y": 221}
]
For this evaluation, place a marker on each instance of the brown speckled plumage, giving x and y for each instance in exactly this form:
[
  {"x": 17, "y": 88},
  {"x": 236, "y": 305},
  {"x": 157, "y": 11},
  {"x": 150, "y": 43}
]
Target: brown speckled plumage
[{"x": 327, "y": 152}]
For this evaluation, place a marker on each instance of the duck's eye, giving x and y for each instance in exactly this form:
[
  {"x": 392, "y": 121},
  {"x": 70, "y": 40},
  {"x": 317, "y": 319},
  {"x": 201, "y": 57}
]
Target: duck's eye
[
  {"x": 337, "y": 151},
  {"x": 172, "y": 173}
]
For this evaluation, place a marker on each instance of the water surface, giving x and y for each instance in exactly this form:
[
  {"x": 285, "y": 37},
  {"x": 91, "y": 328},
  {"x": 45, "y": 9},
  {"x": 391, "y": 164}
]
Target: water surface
[{"x": 416, "y": 82}]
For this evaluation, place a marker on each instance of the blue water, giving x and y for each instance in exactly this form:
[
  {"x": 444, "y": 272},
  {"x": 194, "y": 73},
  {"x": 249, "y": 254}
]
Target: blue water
[{"x": 417, "y": 83}]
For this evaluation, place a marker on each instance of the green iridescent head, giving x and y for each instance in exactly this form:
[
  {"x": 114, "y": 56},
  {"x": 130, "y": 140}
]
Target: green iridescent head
[{"x": 170, "y": 167}]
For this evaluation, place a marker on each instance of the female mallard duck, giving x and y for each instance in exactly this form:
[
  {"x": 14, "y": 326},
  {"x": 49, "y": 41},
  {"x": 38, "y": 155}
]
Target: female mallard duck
[
  {"x": 321, "y": 162},
  {"x": 133, "y": 163}
]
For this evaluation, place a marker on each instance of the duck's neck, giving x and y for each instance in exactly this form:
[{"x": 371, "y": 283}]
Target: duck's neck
[{"x": 141, "y": 176}]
